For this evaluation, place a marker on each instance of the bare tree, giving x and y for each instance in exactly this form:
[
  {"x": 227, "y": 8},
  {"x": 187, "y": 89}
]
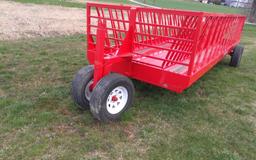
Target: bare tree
[{"x": 252, "y": 17}]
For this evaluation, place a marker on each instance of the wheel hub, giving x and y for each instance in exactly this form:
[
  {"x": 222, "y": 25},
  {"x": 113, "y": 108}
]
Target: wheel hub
[
  {"x": 117, "y": 100},
  {"x": 88, "y": 90},
  {"x": 114, "y": 99}
]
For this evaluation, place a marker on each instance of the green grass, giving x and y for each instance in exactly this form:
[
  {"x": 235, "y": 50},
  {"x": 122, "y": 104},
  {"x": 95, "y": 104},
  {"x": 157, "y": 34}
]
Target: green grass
[
  {"x": 65, "y": 3},
  {"x": 176, "y": 4},
  {"x": 191, "y": 5},
  {"x": 213, "y": 119}
]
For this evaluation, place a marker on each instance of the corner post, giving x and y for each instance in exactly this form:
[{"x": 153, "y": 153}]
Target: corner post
[
  {"x": 196, "y": 38},
  {"x": 99, "y": 56}
]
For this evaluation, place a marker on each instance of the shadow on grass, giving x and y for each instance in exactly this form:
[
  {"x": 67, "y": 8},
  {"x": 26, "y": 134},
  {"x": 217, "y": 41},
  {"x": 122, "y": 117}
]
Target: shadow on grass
[{"x": 157, "y": 100}]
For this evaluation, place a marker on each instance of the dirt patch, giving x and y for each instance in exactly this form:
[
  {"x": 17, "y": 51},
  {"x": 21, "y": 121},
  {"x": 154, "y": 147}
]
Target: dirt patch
[
  {"x": 129, "y": 132},
  {"x": 97, "y": 155},
  {"x": 79, "y": 1},
  {"x": 2, "y": 94},
  {"x": 19, "y": 20}
]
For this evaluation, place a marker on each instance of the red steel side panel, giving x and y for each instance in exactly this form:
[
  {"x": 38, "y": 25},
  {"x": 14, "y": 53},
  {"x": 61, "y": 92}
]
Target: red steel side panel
[
  {"x": 168, "y": 35},
  {"x": 218, "y": 36}
]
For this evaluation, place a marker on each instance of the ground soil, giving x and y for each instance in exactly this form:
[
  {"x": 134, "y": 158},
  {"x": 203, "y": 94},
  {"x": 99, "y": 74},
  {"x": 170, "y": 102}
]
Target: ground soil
[{"x": 18, "y": 20}]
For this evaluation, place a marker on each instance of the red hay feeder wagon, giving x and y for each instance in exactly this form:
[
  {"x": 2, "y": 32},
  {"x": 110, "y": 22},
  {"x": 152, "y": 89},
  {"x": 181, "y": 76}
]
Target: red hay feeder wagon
[{"x": 164, "y": 47}]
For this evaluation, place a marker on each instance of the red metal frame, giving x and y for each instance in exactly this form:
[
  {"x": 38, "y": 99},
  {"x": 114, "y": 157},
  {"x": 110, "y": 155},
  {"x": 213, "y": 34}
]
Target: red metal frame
[{"x": 165, "y": 47}]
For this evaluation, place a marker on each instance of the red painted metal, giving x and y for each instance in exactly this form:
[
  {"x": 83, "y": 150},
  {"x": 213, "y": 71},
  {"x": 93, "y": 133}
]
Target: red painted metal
[{"x": 165, "y": 47}]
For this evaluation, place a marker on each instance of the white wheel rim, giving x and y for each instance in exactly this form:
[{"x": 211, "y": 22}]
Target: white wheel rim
[
  {"x": 87, "y": 91},
  {"x": 117, "y": 100}
]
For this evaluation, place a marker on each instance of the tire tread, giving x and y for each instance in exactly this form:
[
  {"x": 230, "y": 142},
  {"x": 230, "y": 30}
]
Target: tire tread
[{"x": 82, "y": 77}]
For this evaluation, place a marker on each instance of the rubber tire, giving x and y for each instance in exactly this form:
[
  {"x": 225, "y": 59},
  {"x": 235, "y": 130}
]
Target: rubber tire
[
  {"x": 236, "y": 56},
  {"x": 100, "y": 94},
  {"x": 80, "y": 80}
]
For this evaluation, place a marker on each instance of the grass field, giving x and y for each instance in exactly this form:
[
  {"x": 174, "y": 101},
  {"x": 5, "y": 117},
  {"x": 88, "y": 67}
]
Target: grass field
[
  {"x": 176, "y": 4},
  {"x": 64, "y": 3},
  {"x": 69, "y": 3},
  {"x": 214, "y": 119},
  {"x": 192, "y": 5}
]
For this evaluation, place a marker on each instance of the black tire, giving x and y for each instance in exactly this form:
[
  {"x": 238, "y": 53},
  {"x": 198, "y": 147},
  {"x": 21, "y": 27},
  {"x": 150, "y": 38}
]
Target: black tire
[
  {"x": 236, "y": 56},
  {"x": 100, "y": 95},
  {"x": 79, "y": 84}
]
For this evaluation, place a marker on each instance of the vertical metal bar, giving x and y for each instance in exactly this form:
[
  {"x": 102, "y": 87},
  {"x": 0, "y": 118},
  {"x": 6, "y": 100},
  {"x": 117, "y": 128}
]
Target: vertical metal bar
[
  {"x": 99, "y": 56},
  {"x": 160, "y": 21},
  {"x": 152, "y": 23},
  {"x": 219, "y": 49},
  {"x": 166, "y": 22},
  {"x": 210, "y": 29},
  {"x": 148, "y": 26},
  {"x": 113, "y": 25},
  {"x": 102, "y": 17},
  {"x": 214, "y": 33},
  {"x": 132, "y": 19},
  {"x": 222, "y": 40},
  {"x": 144, "y": 26},
  {"x": 122, "y": 13},
  {"x": 118, "y": 27},
  {"x": 241, "y": 23},
  {"x": 88, "y": 10},
  {"x": 141, "y": 27}
]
